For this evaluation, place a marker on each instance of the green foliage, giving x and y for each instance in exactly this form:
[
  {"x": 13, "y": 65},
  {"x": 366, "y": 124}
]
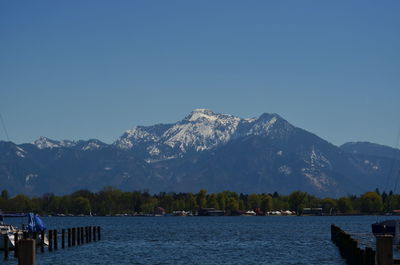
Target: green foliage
[
  {"x": 391, "y": 202},
  {"x": 280, "y": 203},
  {"x": 111, "y": 201},
  {"x": 190, "y": 202},
  {"x": 81, "y": 205},
  {"x": 266, "y": 203},
  {"x": 149, "y": 205},
  {"x": 297, "y": 201},
  {"x": 20, "y": 203},
  {"x": 328, "y": 205},
  {"x": 201, "y": 198},
  {"x": 253, "y": 201},
  {"x": 232, "y": 204},
  {"x": 344, "y": 205},
  {"x": 221, "y": 198},
  {"x": 4, "y": 194},
  {"x": 371, "y": 202},
  {"x": 212, "y": 201}
]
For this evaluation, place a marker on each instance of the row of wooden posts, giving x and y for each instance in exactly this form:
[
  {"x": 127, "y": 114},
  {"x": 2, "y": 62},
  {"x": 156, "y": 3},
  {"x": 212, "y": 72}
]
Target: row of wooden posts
[
  {"x": 354, "y": 255},
  {"x": 349, "y": 249},
  {"x": 75, "y": 237}
]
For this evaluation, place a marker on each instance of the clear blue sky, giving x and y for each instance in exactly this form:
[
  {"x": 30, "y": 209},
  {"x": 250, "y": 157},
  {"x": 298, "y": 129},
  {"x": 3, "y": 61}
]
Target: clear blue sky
[{"x": 93, "y": 69}]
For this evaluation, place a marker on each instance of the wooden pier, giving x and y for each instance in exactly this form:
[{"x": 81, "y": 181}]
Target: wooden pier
[
  {"x": 354, "y": 255},
  {"x": 26, "y": 247}
]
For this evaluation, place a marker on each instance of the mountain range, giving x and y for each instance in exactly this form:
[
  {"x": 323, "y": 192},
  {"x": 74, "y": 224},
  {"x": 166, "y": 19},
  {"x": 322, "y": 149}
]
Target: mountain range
[{"x": 205, "y": 150}]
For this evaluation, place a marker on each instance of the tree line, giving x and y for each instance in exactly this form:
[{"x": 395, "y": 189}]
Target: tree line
[{"x": 111, "y": 201}]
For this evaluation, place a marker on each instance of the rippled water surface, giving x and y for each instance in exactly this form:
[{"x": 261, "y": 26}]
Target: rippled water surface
[{"x": 207, "y": 240}]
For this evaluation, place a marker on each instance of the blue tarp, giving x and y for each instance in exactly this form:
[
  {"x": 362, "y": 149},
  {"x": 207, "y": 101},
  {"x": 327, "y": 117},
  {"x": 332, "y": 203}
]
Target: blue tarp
[{"x": 35, "y": 224}]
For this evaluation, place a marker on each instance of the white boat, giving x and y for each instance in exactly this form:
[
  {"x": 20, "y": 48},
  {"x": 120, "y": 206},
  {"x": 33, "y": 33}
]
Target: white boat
[
  {"x": 10, "y": 231},
  {"x": 34, "y": 225}
]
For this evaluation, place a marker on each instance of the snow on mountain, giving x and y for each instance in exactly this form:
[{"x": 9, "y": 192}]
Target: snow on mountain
[
  {"x": 201, "y": 130},
  {"x": 316, "y": 161},
  {"x": 44, "y": 142},
  {"x": 140, "y": 135},
  {"x": 90, "y": 145},
  {"x": 20, "y": 152},
  {"x": 93, "y": 144},
  {"x": 203, "y": 150}
]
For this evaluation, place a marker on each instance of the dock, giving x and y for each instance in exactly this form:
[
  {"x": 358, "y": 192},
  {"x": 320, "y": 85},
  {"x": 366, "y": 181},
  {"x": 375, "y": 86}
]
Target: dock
[
  {"x": 353, "y": 254},
  {"x": 27, "y": 246}
]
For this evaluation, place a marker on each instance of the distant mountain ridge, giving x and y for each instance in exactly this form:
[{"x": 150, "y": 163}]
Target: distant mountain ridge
[
  {"x": 366, "y": 148},
  {"x": 92, "y": 144},
  {"x": 201, "y": 130},
  {"x": 204, "y": 150}
]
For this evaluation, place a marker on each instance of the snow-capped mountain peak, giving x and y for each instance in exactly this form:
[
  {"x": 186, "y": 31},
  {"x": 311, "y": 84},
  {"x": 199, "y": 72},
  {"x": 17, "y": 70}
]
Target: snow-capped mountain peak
[
  {"x": 44, "y": 142},
  {"x": 201, "y": 130},
  {"x": 90, "y": 145},
  {"x": 141, "y": 135},
  {"x": 202, "y": 114}
]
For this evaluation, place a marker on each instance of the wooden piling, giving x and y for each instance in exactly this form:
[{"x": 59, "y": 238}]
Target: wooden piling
[
  {"x": 78, "y": 236},
  {"x": 62, "y": 238},
  {"x": 353, "y": 251},
  {"x": 73, "y": 236},
  {"x": 55, "y": 234},
  {"x": 34, "y": 236},
  {"x": 94, "y": 233},
  {"x": 369, "y": 256},
  {"x": 16, "y": 239},
  {"x": 348, "y": 248},
  {"x": 333, "y": 233},
  {"x": 90, "y": 233},
  {"x": 384, "y": 250},
  {"x": 361, "y": 255},
  {"x": 50, "y": 238},
  {"x": 82, "y": 236},
  {"x": 6, "y": 247},
  {"x": 27, "y": 250},
  {"x": 86, "y": 234},
  {"x": 69, "y": 237},
  {"x": 42, "y": 237},
  {"x": 78, "y": 230}
]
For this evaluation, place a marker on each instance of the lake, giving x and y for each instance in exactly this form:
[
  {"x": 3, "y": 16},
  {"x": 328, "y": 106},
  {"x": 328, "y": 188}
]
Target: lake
[{"x": 208, "y": 240}]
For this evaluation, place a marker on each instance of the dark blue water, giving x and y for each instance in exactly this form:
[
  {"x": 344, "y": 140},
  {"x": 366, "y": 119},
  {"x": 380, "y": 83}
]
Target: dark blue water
[{"x": 207, "y": 240}]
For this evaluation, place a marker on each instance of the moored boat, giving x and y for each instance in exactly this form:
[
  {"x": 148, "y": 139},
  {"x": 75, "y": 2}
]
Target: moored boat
[
  {"x": 35, "y": 226},
  {"x": 8, "y": 230}
]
